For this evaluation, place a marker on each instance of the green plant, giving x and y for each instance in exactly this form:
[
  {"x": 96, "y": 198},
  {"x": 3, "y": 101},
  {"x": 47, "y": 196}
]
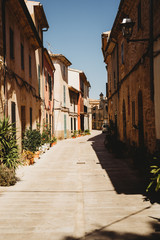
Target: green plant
[
  {"x": 9, "y": 154},
  {"x": 7, "y": 176},
  {"x": 87, "y": 132},
  {"x": 74, "y": 134},
  {"x": 53, "y": 139},
  {"x": 155, "y": 177},
  {"x": 46, "y": 134},
  {"x": 31, "y": 140}
]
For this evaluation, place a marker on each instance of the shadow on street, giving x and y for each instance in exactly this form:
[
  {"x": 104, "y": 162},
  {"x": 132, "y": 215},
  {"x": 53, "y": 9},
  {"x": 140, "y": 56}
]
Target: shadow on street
[
  {"x": 121, "y": 172},
  {"x": 103, "y": 234}
]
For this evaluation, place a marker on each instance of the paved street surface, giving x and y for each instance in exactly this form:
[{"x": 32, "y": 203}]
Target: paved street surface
[{"x": 77, "y": 190}]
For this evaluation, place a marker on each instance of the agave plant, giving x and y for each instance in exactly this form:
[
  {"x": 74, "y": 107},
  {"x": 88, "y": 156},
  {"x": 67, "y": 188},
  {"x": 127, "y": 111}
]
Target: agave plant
[
  {"x": 9, "y": 155},
  {"x": 155, "y": 178}
]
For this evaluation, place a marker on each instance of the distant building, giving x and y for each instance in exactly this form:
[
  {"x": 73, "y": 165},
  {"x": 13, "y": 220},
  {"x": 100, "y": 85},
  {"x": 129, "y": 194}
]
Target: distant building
[{"x": 99, "y": 109}]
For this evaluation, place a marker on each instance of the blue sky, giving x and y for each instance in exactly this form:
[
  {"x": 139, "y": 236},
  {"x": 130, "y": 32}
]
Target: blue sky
[{"x": 75, "y": 31}]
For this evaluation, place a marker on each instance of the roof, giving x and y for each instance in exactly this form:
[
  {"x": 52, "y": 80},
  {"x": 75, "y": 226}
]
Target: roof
[
  {"x": 41, "y": 15},
  {"x": 71, "y": 88},
  {"x": 61, "y": 58}
]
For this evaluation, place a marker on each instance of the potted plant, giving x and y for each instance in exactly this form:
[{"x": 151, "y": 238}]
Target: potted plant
[
  {"x": 31, "y": 140},
  {"x": 53, "y": 141}
]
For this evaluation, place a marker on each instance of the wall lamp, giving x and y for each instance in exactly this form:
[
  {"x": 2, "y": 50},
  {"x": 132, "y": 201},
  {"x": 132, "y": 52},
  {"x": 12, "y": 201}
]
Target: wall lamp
[{"x": 127, "y": 30}]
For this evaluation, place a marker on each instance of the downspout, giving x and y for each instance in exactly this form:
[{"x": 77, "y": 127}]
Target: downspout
[
  {"x": 151, "y": 52},
  {"x": 4, "y": 52}
]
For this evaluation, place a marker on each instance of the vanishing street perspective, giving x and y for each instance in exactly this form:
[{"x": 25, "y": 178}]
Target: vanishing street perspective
[{"x": 80, "y": 160}]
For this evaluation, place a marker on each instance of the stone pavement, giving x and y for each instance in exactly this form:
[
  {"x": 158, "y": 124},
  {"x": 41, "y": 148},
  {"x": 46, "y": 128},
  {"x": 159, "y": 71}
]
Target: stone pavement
[{"x": 77, "y": 190}]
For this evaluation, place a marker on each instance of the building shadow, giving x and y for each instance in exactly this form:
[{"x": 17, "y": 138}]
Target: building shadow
[
  {"x": 104, "y": 234},
  {"x": 121, "y": 171}
]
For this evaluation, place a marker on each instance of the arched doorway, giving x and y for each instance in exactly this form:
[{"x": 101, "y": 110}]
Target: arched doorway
[{"x": 140, "y": 120}]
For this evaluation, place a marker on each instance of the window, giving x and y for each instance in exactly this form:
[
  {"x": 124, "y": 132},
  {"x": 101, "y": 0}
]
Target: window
[
  {"x": 46, "y": 79},
  {"x": 11, "y": 43},
  {"x": 133, "y": 113},
  {"x": 22, "y": 56},
  {"x": 122, "y": 53},
  {"x": 139, "y": 16},
  {"x": 85, "y": 109},
  {"x": 71, "y": 124},
  {"x": 64, "y": 96},
  {"x": 23, "y": 120},
  {"x": 114, "y": 75},
  {"x": 39, "y": 79},
  {"x": 30, "y": 111},
  {"x": 30, "y": 66},
  {"x": 46, "y": 117},
  {"x": 75, "y": 124},
  {"x": 50, "y": 87},
  {"x": 128, "y": 102},
  {"x": 13, "y": 116}
]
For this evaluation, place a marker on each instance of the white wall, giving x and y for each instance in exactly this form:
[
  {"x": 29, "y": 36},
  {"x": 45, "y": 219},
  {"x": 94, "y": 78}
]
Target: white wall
[{"x": 73, "y": 79}]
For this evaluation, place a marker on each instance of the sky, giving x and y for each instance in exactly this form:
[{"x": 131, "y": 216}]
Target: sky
[{"x": 75, "y": 28}]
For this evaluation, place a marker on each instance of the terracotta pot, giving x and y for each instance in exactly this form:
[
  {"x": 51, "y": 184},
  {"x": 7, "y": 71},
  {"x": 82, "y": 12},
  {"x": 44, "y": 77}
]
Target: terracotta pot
[
  {"x": 31, "y": 161},
  {"x": 52, "y": 144}
]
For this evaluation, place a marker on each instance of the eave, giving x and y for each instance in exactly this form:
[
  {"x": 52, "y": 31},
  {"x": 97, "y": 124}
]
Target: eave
[
  {"x": 21, "y": 13},
  {"x": 61, "y": 58},
  {"x": 39, "y": 11},
  {"x": 73, "y": 89}
]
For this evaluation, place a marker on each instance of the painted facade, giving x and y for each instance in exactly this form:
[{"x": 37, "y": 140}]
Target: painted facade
[
  {"x": 84, "y": 110},
  {"x": 133, "y": 91},
  {"x": 20, "y": 100},
  {"x": 48, "y": 90},
  {"x": 61, "y": 96},
  {"x": 73, "y": 85},
  {"x": 40, "y": 21}
]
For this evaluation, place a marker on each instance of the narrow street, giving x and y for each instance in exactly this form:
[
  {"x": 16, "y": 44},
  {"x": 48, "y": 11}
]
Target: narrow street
[{"x": 77, "y": 190}]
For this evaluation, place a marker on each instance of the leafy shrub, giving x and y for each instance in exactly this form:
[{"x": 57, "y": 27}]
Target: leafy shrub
[
  {"x": 9, "y": 155},
  {"x": 87, "y": 132},
  {"x": 31, "y": 140},
  {"x": 7, "y": 176},
  {"x": 53, "y": 139},
  {"x": 46, "y": 134}
]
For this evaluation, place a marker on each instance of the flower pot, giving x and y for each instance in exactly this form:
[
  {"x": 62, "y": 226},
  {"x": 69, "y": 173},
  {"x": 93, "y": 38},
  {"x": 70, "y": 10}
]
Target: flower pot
[
  {"x": 31, "y": 161},
  {"x": 52, "y": 144}
]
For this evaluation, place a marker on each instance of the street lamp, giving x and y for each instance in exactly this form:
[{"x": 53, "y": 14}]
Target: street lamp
[{"x": 127, "y": 30}]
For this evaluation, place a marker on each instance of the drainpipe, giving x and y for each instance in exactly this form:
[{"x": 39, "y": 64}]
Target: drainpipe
[
  {"x": 4, "y": 53},
  {"x": 151, "y": 52}
]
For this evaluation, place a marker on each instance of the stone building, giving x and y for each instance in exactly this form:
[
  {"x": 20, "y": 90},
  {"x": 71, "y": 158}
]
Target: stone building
[
  {"x": 133, "y": 73},
  {"x": 19, "y": 86},
  {"x": 99, "y": 109}
]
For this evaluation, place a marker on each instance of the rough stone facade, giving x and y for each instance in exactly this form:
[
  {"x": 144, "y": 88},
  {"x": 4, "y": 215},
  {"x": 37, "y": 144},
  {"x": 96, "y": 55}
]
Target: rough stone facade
[{"x": 130, "y": 79}]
